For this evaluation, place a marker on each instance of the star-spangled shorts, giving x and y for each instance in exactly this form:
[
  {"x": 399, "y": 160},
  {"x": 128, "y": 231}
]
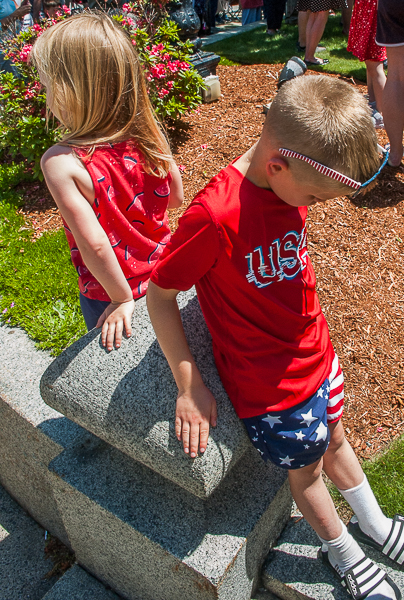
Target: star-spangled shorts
[{"x": 299, "y": 436}]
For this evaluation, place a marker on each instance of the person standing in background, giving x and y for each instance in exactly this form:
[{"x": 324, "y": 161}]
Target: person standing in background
[
  {"x": 361, "y": 42},
  {"x": 318, "y": 11},
  {"x": 274, "y": 14},
  {"x": 251, "y": 11},
  {"x": 390, "y": 33}
]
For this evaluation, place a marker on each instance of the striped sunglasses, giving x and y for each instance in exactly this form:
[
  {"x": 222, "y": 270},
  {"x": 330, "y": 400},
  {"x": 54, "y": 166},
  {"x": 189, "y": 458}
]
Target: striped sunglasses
[{"x": 336, "y": 174}]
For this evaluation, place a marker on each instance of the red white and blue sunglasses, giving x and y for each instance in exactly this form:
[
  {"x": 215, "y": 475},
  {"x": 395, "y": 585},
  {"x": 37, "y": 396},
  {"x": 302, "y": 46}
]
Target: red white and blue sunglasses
[{"x": 336, "y": 174}]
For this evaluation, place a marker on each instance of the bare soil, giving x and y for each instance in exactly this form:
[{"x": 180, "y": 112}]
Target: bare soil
[{"x": 356, "y": 249}]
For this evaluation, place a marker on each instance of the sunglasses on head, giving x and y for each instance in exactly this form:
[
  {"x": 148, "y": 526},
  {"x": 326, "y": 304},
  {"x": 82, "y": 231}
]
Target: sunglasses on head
[{"x": 359, "y": 187}]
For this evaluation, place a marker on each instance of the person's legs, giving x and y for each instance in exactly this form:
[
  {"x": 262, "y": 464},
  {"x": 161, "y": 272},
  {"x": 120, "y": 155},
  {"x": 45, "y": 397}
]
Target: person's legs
[
  {"x": 302, "y": 19},
  {"x": 342, "y": 467},
  {"x": 346, "y": 14},
  {"x": 275, "y": 10},
  {"x": 393, "y": 103},
  {"x": 316, "y": 23},
  {"x": 314, "y": 501},
  {"x": 376, "y": 80}
]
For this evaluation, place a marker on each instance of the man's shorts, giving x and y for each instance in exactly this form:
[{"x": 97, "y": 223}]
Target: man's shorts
[
  {"x": 390, "y": 23},
  {"x": 299, "y": 436}
]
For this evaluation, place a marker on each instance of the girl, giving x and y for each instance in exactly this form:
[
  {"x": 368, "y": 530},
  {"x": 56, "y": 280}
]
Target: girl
[
  {"x": 362, "y": 44},
  {"x": 112, "y": 176}
]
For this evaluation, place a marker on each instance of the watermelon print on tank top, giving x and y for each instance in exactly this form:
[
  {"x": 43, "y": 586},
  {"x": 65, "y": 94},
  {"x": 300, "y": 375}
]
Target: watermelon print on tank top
[{"x": 131, "y": 207}]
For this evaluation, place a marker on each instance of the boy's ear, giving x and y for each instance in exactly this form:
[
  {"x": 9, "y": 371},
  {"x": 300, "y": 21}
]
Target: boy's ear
[{"x": 275, "y": 165}]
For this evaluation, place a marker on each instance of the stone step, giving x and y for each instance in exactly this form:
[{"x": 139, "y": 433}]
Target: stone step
[
  {"x": 23, "y": 566},
  {"x": 293, "y": 572},
  {"x": 77, "y": 584}
]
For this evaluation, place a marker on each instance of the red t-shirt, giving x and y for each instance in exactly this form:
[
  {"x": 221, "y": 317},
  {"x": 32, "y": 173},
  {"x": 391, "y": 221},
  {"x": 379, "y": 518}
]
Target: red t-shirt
[
  {"x": 130, "y": 206},
  {"x": 246, "y": 252}
]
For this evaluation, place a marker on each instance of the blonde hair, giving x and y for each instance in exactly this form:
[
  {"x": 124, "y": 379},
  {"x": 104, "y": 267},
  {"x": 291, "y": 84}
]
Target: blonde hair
[
  {"x": 97, "y": 86},
  {"x": 329, "y": 121}
]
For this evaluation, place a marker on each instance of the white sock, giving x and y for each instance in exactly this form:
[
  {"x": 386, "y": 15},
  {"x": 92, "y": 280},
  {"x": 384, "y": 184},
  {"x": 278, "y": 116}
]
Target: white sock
[
  {"x": 344, "y": 552},
  {"x": 365, "y": 506}
]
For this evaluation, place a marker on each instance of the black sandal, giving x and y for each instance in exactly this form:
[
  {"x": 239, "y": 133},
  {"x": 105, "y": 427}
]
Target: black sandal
[
  {"x": 393, "y": 547},
  {"x": 362, "y": 578},
  {"x": 310, "y": 63}
]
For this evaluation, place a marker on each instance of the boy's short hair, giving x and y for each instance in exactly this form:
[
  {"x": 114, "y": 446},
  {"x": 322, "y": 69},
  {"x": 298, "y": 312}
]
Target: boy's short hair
[{"x": 329, "y": 121}]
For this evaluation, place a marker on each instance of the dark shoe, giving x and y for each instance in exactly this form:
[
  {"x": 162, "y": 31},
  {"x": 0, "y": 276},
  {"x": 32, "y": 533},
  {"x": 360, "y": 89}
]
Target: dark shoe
[
  {"x": 393, "y": 546},
  {"x": 362, "y": 578},
  {"x": 293, "y": 68},
  {"x": 300, "y": 48},
  {"x": 310, "y": 63}
]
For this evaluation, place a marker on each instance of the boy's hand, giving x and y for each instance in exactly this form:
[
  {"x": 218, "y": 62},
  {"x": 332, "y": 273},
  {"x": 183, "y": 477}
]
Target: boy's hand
[
  {"x": 196, "y": 409},
  {"x": 115, "y": 318}
]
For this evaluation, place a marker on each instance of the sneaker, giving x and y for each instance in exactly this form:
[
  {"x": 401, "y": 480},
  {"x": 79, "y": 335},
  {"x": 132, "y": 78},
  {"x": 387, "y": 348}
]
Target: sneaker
[{"x": 377, "y": 117}]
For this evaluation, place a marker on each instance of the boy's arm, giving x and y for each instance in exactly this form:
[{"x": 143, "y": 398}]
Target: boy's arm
[
  {"x": 70, "y": 185},
  {"x": 196, "y": 406},
  {"x": 176, "y": 188}
]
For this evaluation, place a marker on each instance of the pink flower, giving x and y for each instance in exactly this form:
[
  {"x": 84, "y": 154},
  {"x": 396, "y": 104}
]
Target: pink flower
[
  {"x": 66, "y": 10},
  {"x": 170, "y": 85},
  {"x": 24, "y": 54},
  {"x": 37, "y": 27},
  {"x": 126, "y": 8},
  {"x": 163, "y": 92},
  {"x": 204, "y": 146},
  {"x": 181, "y": 168}
]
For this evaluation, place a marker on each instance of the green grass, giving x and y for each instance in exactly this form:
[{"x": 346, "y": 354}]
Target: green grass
[
  {"x": 386, "y": 477},
  {"x": 38, "y": 283},
  {"x": 255, "y": 47}
]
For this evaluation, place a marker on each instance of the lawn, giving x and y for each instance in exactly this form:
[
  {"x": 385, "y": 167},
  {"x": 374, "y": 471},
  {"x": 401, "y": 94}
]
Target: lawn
[
  {"x": 38, "y": 282},
  {"x": 255, "y": 47}
]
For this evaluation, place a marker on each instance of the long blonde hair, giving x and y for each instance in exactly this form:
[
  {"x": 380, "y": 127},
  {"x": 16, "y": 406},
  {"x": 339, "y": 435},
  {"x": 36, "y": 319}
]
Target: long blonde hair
[{"x": 97, "y": 86}]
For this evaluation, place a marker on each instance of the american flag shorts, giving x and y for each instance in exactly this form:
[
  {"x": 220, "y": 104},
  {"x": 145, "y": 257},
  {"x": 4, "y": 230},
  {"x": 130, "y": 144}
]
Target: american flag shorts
[{"x": 299, "y": 436}]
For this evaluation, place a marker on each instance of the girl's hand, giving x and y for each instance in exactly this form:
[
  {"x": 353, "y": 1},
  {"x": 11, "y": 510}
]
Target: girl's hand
[
  {"x": 196, "y": 410},
  {"x": 115, "y": 318}
]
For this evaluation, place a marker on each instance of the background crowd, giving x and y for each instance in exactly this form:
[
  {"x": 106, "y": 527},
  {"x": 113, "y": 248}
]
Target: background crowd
[{"x": 375, "y": 31}]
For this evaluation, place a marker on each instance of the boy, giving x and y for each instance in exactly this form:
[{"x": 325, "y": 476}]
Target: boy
[{"x": 242, "y": 242}]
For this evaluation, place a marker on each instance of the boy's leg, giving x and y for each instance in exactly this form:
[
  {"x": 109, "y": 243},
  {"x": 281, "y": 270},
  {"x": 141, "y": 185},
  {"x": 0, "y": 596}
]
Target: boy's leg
[
  {"x": 314, "y": 501},
  {"x": 343, "y": 552},
  {"x": 342, "y": 467}
]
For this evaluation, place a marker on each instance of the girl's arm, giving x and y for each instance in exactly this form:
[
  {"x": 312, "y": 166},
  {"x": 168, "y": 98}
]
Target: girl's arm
[
  {"x": 196, "y": 406},
  {"x": 176, "y": 189},
  {"x": 72, "y": 189}
]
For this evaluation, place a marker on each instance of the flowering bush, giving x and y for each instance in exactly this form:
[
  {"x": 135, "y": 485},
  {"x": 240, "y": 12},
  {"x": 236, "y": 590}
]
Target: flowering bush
[{"x": 173, "y": 84}]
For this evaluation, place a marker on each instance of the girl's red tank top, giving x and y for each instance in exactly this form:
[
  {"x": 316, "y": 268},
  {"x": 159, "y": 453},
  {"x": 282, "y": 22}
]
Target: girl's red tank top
[{"x": 131, "y": 207}]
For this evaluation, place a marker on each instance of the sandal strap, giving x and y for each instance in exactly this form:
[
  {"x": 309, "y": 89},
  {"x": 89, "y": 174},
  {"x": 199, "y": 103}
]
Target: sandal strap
[
  {"x": 394, "y": 545},
  {"x": 363, "y": 578}
]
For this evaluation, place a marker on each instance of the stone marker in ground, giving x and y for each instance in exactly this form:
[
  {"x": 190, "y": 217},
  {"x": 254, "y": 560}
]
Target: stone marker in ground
[
  {"x": 293, "y": 572},
  {"x": 139, "y": 514}
]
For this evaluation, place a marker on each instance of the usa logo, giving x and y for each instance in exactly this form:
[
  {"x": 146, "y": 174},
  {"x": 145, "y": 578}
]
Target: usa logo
[{"x": 284, "y": 259}]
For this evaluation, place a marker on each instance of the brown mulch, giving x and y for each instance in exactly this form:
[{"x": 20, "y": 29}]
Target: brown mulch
[{"x": 356, "y": 249}]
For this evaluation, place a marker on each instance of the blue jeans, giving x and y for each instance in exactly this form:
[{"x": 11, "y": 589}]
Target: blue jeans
[{"x": 92, "y": 310}]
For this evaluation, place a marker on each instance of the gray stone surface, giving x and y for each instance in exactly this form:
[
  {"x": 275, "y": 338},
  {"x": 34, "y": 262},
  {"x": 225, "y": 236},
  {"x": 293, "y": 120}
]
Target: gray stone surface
[
  {"x": 77, "y": 584},
  {"x": 293, "y": 571},
  {"x": 31, "y": 433},
  {"x": 127, "y": 398},
  {"x": 151, "y": 540},
  {"x": 22, "y": 560}
]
